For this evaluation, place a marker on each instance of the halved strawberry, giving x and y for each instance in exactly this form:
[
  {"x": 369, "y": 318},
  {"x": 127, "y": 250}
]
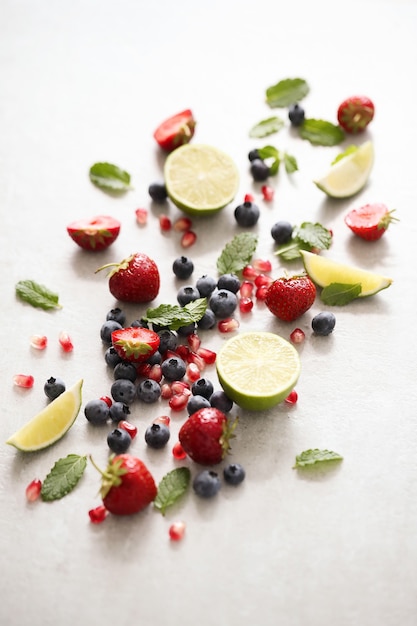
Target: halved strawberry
[
  {"x": 135, "y": 279},
  {"x": 355, "y": 113},
  {"x": 95, "y": 233},
  {"x": 175, "y": 131},
  {"x": 135, "y": 343},
  {"x": 370, "y": 221}
]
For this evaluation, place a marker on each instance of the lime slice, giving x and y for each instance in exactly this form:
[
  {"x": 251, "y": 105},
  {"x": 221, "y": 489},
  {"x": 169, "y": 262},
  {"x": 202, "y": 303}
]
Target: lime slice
[
  {"x": 324, "y": 272},
  {"x": 257, "y": 369},
  {"x": 200, "y": 179},
  {"x": 51, "y": 423},
  {"x": 350, "y": 174}
]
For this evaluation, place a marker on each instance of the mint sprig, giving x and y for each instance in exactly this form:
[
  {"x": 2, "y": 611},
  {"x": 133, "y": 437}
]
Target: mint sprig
[
  {"x": 339, "y": 294},
  {"x": 173, "y": 316},
  {"x": 286, "y": 92},
  {"x": 312, "y": 457},
  {"x": 274, "y": 157},
  {"x": 37, "y": 295},
  {"x": 110, "y": 177},
  {"x": 63, "y": 477},
  {"x": 307, "y": 236},
  {"x": 321, "y": 133},
  {"x": 172, "y": 486},
  {"x": 237, "y": 253},
  {"x": 266, "y": 127}
]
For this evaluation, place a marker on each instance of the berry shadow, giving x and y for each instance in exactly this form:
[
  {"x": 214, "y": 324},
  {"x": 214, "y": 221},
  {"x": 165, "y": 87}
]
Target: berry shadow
[{"x": 319, "y": 472}]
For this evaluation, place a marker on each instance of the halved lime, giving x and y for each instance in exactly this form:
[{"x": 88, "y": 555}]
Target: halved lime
[
  {"x": 51, "y": 423},
  {"x": 324, "y": 272},
  {"x": 257, "y": 369},
  {"x": 350, "y": 174},
  {"x": 200, "y": 179}
]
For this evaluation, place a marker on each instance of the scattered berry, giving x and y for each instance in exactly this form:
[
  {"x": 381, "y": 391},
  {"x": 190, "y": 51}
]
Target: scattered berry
[
  {"x": 111, "y": 357},
  {"x": 289, "y": 298},
  {"x": 188, "y": 239},
  {"x": 178, "y": 452},
  {"x": 106, "y": 330},
  {"x": 173, "y": 368},
  {"x": 119, "y": 440},
  {"x": 281, "y": 232},
  {"x": 135, "y": 279},
  {"x": 54, "y": 387},
  {"x": 182, "y": 224},
  {"x": 223, "y": 303},
  {"x": 125, "y": 369},
  {"x": 205, "y": 436},
  {"x": 157, "y": 435},
  {"x": 207, "y": 484},
  {"x": 33, "y": 490},
  {"x": 195, "y": 403},
  {"x": 183, "y": 267},
  {"x": 245, "y": 305},
  {"x": 149, "y": 391},
  {"x": 370, "y": 221},
  {"x": 158, "y": 192},
  {"x": 118, "y": 411},
  {"x": 247, "y": 214},
  {"x": 187, "y": 294},
  {"x": 228, "y": 325},
  {"x": 175, "y": 131},
  {"x": 230, "y": 282},
  {"x": 117, "y": 315},
  {"x": 128, "y": 427},
  {"x": 176, "y": 531},
  {"x": 259, "y": 170},
  {"x": 39, "y": 342},
  {"x": 206, "y": 285},
  {"x": 292, "y": 397},
  {"x": 97, "y": 412},
  {"x": 165, "y": 223},
  {"x": 123, "y": 390},
  {"x": 65, "y": 342},
  {"x": 24, "y": 380},
  {"x": 297, "y": 335},
  {"x": 267, "y": 193},
  {"x": 207, "y": 321},
  {"x": 355, "y": 113},
  {"x": 323, "y": 323},
  {"x": 94, "y": 234},
  {"x": 253, "y": 154},
  {"x": 202, "y": 387},
  {"x": 234, "y": 474},
  {"x": 107, "y": 400},
  {"x": 135, "y": 344},
  {"x": 141, "y": 216},
  {"x": 296, "y": 114},
  {"x": 219, "y": 400},
  {"x": 262, "y": 265},
  {"x": 98, "y": 515}
]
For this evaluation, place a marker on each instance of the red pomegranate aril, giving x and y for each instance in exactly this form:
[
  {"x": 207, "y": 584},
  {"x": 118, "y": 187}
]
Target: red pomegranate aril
[
  {"x": 178, "y": 452},
  {"x": 246, "y": 289},
  {"x": 228, "y": 325},
  {"x": 249, "y": 272},
  {"x": 98, "y": 515},
  {"x": 192, "y": 373},
  {"x": 155, "y": 373},
  {"x": 141, "y": 216},
  {"x": 179, "y": 387},
  {"x": 262, "y": 265},
  {"x": 261, "y": 291},
  {"x": 208, "y": 356},
  {"x": 24, "y": 380},
  {"x": 263, "y": 279},
  {"x": 267, "y": 192},
  {"x": 165, "y": 223},
  {"x": 245, "y": 305},
  {"x": 182, "y": 351},
  {"x": 178, "y": 402},
  {"x": 166, "y": 391},
  {"x": 33, "y": 490},
  {"x": 39, "y": 342},
  {"x": 162, "y": 419},
  {"x": 182, "y": 224},
  {"x": 292, "y": 397},
  {"x": 194, "y": 341},
  {"x": 65, "y": 341},
  {"x": 188, "y": 239},
  {"x": 197, "y": 360},
  {"x": 248, "y": 198},
  {"x": 143, "y": 369},
  {"x": 176, "y": 531},
  {"x": 297, "y": 335},
  {"x": 128, "y": 427}
]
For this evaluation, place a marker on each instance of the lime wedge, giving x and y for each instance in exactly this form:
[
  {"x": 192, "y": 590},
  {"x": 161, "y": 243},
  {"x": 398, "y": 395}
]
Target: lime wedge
[
  {"x": 257, "y": 369},
  {"x": 324, "y": 272},
  {"x": 200, "y": 179},
  {"x": 350, "y": 174},
  {"x": 51, "y": 423}
]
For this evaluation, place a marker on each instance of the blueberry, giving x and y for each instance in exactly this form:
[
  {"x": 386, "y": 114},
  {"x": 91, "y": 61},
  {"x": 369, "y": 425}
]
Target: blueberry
[
  {"x": 202, "y": 387},
  {"x": 125, "y": 369},
  {"x": 183, "y": 267},
  {"x": 155, "y": 359},
  {"x": 157, "y": 435},
  {"x": 184, "y": 331},
  {"x": 168, "y": 340},
  {"x": 123, "y": 390},
  {"x": 207, "y": 321},
  {"x": 111, "y": 357},
  {"x": 234, "y": 474},
  {"x": 231, "y": 282},
  {"x": 54, "y": 387},
  {"x": 173, "y": 368},
  {"x": 323, "y": 323},
  {"x": 187, "y": 294},
  {"x": 247, "y": 214},
  {"x": 117, "y": 315},
  {"x": 281, "y": 232},
  {"x": 139, "y": 324},
  {"x": 206, "y": 285},
  {"x": 206, "y": 484},
  {"x": 119, "y": 440},
  {"x": 118, "y": 411},
  {"x": 97, "y": 412},
  {"x": 253, "y": 154},
  {"x": 149, "y": 391},
  {"x": 106, "y": 330},
  {"x": 158, "y": 192},
  {"x": 296, "y": 115},
  {"x": 219, "y": 400},
  {"x": 223, "y": 303},
  {"x": 259, "y": 170},
  {"x": 197, "y": 402}
]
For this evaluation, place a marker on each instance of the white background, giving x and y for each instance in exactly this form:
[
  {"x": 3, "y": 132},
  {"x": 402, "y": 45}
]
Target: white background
[{"x": 89, "y": 81}]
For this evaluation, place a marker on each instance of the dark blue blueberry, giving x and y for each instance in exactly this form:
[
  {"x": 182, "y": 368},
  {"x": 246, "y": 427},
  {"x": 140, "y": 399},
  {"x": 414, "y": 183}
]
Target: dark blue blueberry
[
  {"x": 219, "y": 400},
  {"x": 157, "y": 435},
  {"x": 54, "y": 387},
  {"x": 281, "y": 232},
  {"x": 158, "y": 192},
  {"x": 125, "y": 369},
  {"x": 323, "y": 323},
  {"x": 189, "y": 329},
  {"x": 202, "y": 387},
  {"x": 207, "y": 484},
  {"x": 231, "y": 282},
  {"x": 223, "y": 303},
  {"x": 187, "y": 294},
  {"x": 119, "y": 440},
  {"x": 111, "y": 357},
  {"x": 149, "y": 391},
  {"x": 253, "y": 154},
  {"x": 247, "y": 214},
  {"x": 139, "y": 324},
  {"x": 197, "y": 402},
  {"x": 234, "y": 474},
  {"x": 296, "y": 114},
  {"x": 207, "y": 321},
  {"x": 259, "y": 170},
  {"x": 155, "y": 359},
  {"x": 97, "y": 412},
  {"x": 118, "y": 411},
  {"x": 123, "y": 390},
  {"x": 206, "y": 285},
  {"x": 173, "y": 368},
  {"x": 168, "y": 340},
  {"x": 106, "y": 330},
  {"x": 117, "y": 315},
  {"x": 183, "y": 267}
]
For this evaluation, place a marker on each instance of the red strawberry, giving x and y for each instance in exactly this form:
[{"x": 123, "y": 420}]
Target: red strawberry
[
  {"x": 355, "y": 113},
  {"x": 127, "y": 485},
  {"x": 135, "y": 279},
  {"x": 175, "y": 131},
  {"x": 135, "y": 344},
  {"x": 289, "y": 298},
  {"x": 96, "y": 233},
  {"x": 370, "y": 221},
  {"x": 205, "y": 436}
]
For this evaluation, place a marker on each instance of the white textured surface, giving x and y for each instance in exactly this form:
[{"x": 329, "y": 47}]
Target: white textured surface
[{"x": 87, "y": 81}]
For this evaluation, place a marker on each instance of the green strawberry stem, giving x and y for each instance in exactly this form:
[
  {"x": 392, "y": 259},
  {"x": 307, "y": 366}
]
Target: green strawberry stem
[
  {"x": 111, "y": 476},
  {"x": 227, "y": 435},
  {"x": 116, "y": 266}
]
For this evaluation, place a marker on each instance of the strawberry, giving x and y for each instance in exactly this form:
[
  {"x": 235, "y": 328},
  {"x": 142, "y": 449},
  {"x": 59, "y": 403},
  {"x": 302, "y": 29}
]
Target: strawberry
[
  {"x": 370, "y": 221},
  {"x": 94, "y": 234},
  {"x": 205, "y": 436},
  {"x": 127, "y": 485},
  {"x": 135, "y": 344},
  {"x": 289, "y": 298},
  {"x": 175, "y": 131},
  {"x": 135, "y": 279},
  {"x": 355, "y": 113}
]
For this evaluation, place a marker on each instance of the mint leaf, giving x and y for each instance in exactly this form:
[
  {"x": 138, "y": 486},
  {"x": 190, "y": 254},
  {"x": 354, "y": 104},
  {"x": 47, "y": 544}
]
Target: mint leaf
[
  {"x": 290, "y": 163},
  {"x": 237, "y": 253},
  {"x": 272, "y": 156},
  {"x": 172, "y": 486},
  {"x": 314, "y": 235},
  {"x": 266, "y": 127},
  {"x": 338, "y": 294},
  {"x": 37, "y": 295},
  {"x": 63, "y": 477},
  {"x": 311, "y": 457},
  {"x": 174, "y": 316},
  {"x": 286, "y": 92},
  {"x": 345, "y": 153},
  {"x": 291, "y": 251},
  {"x": 321, "y": 133},
  {"x": 110, "y": 177}
]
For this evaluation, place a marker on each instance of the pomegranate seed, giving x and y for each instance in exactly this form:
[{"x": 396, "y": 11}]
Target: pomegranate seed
[
  {"x": 179, "y": 387},
  {"x": 228, "y": 325},
  {"x": 267, "y": 192},
  {"x": 208, "y": 356},
  {"x": 292, "y": 397},
  {"x": 166, "y": 391},
  {"x": 23, "y": 380},
  {"x": 182, "y": 224},
  {"x": 143, "y": 369},
  {"x": 178, "y": 402},
  {"x": 262, "y": 265},
  {"x": 178, "y": 452},
  {"x": 65, "y": 341},
  {"x": 260, "y": 293},
  {"x": 193, "y": 373},
  {"x": 163, "y": 419},
  {"x": 141, "y": 216},
  {"x": 188, "y": 239},
  {"x": 39, "y": 342},
  {"x": 245, "y": 305},
  {"x": 128, "y": 427},
  {"x": 194, "y": 341},
  {"x": 107, "y": 400},
  {"x": 182, "y": 351},
  {"x": 263, "y": 279},
  {"x": 246, "y": 289},
  {"x": 164, "y": 223},
  {"x": 171, "y": 353},
  {"x": 297, "y": 335},
  {"x": 248, "y": 198},
  {"x": 249, "y": 272},
  {"x": 197, "y": 360},
  {"x": 33, "y": 490},
  {"x": 98, "y": 515},
  {"x": 176, "y": 531},
  {"x": 155, "y": 373}
]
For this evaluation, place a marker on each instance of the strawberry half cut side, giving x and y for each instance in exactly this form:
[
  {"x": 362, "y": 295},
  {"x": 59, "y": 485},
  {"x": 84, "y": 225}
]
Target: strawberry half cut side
[
  {"x": 370, "y": 221},
  {"x": 135, "y": 343},
  {"x": 95, "y": 233},
  {"x": 175, "y": 131}
]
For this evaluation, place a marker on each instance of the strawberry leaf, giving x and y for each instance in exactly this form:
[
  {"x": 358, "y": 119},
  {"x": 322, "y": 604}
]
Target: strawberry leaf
[
  {"x": 110, "y": 177},
  {"x": 286, "y": 92},
  {"x": 338, "y": 294},
  {"x": 321, "y": 133},
  {"x": 63, "y": 477},
  {"x": 312, "y": 457},
  {"x": 172, "y": 486},
  {"x": 237, "y": 253},
  {"x": 266, "y": 127},
  {"x": 174, "y": 316},
  {"x": 37, "y": 295}
]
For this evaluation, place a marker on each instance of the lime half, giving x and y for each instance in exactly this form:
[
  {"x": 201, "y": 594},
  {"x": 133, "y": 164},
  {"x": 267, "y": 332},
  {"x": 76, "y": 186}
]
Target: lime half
[
  {"x": 51, "y": 423},
  {"x": 324, "y": 272},
  {"x": 200, "y": 179},
  {"x": 350, "y": 174},
  {"x": 257, "y": 370}
]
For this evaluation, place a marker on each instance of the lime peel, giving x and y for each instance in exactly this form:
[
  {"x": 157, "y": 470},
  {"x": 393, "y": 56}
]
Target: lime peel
[{"x": 348, "y": 175}]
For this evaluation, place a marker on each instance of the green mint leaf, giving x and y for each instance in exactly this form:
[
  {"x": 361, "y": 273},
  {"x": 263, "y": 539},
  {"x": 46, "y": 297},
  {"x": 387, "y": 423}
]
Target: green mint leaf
[
  {"x": 311, "y": 457},
  {"x": 313, "y": 235},
  {"x": 174, "y": 316},
  {"x": 290, "y": 163},
  {"x": 110, "y": 177},
  {"x": 286, "y": 92},
  {"x": 237, "y": 253},
  {"x": 291, "y": 251},
  {"x": 266, "y": 127},
  {"x": 272, "y": 157},
  {"x": 345, "y": 153},
  {"x": 321, "y": 133},
  {"x": 338, "y": 294},
  {"x": 37, "y": 295},
  {"x": 172, "y": 486},
  {"x": 63, "y": 477}
]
